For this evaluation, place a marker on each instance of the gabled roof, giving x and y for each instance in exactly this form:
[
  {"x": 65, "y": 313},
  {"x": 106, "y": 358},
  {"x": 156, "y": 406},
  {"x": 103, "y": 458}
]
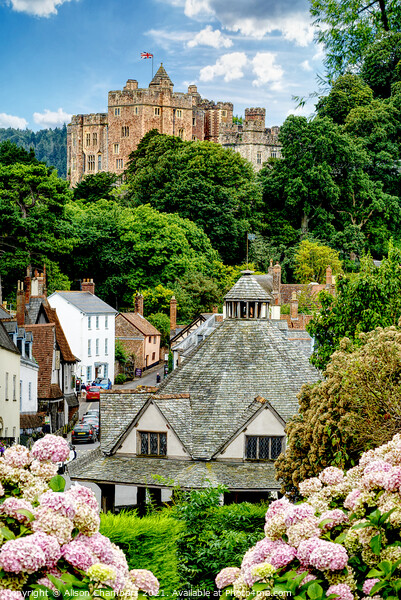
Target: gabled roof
[
  {"x": 247, "y": 288},
  {"x": 44, "y": 336},
  {"x": 86, "y": 302},
  {"x": 5, "y": 341},
  {"x": 65, "y": 349},
  {"x": 140, "y": 323}
]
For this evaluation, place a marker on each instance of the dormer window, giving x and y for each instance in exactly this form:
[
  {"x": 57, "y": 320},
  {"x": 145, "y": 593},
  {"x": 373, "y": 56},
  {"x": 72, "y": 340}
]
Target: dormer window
[
  {"x": 152, "y": 443},
  {"x": 28, "y": 350}
]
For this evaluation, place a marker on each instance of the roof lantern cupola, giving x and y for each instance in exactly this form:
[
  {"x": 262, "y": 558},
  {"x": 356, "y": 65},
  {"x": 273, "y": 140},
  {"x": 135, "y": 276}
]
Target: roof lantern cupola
[
  {"x": 247, "y": 299},
  {"x": 161, "y": 79}
]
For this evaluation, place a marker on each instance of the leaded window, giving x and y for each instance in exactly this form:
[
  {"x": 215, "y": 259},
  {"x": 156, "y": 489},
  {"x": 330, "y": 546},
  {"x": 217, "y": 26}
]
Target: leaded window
[
  {"x": 152, "y": 443},
  {"x": 264, "y": 447}
]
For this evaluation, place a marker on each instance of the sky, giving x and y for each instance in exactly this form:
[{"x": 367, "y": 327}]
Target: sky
[{"x": 61, "y": 57}]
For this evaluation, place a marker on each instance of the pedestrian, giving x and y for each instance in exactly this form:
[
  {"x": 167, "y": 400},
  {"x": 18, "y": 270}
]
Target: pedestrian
[{"x": 158, "y": 378}]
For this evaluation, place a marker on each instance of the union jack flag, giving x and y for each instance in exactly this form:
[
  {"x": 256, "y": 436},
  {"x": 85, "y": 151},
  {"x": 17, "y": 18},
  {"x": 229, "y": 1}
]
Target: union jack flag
[{"x": 146, "y": 55}]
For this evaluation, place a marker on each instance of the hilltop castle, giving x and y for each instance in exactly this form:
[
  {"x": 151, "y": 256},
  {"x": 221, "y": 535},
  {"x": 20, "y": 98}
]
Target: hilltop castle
[{"x": 104, "y": 141}]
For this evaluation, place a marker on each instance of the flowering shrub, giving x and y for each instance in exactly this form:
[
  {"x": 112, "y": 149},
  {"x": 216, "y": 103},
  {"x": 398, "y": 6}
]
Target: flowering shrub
[
  {"x": 342, "y": 541},
  {"x": 49, "y": 539}
]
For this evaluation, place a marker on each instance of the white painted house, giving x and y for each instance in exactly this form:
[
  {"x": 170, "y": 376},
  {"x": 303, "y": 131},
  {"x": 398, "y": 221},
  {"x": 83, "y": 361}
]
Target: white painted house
[
  {"x": 89, "y": 326},
  {"x": 9, "y": 388}
]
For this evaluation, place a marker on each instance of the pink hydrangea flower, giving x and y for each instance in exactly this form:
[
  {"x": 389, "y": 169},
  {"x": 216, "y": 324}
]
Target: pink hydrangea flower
[
  {"x": 377, "y": 465},
  {"x": 331, "y": 476},
  {"x": 22, "y": 555},
  {"x": 329, "y": 556},
  {"x": 60, "y": 502},
  {"x": 145, "y": 581},
  {"x": 282, "y": 556},
  {"x": 100, "y": 545},
  {"x": 44, "y": 469},
  {"x": 17, "y": 456},
  {"x": 310, "y": 486},
  {"x": 298, "y": 513},
  {"x": 227, "y": 577},
  {"x": 83, "y": 495},
  {"x": 11, "y": 506},
  {"x": 78, "y": 555},
  {"x": 10, "y": 595},
  {"x": 351, "y": 500},
  {"x": 52, "y": 523},
  {"x": 306, "y": 548},
  {"x": 368, "y": 585},
  {"x": 278, "y": 506},
  {"x": 51, "y": 447},
  {"x": 50, "y": 546},
  {"x": 393, "y": 481},
  {"x": 336, "y": 517},
  {"x": 342, "y": 590}
]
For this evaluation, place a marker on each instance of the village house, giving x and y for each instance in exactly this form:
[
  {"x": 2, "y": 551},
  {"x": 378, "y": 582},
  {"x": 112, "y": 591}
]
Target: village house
[
  {"x": 9, "y": 388},
  {"x": 140, "y": 338},
  {"x": 218, "y": 418},
  {"x": 89, "y": 326}
]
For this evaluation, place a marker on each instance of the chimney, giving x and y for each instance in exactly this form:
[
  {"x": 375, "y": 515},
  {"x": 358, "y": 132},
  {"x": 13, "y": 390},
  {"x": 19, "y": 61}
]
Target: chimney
[
  {"x": 277, "y": 283},
  {"x": 173, "y": 314},
  {"x": 139, "y": 304},
  {"x": 294, "y": 307},
  {"x": 27, "y": 285},
  {"x": 20, "y": 304},
  {"x": 215, "y": 309},
  {"x": 87, "y": 285},
  {"x": 329, "y": 277},
  {"x": 270, "y": 269}
]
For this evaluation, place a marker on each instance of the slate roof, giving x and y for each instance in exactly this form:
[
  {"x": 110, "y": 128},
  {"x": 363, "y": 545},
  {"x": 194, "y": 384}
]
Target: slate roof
[
  {"x": 4, "y": 314},
  {"x": 33, "y": 307},
  {"x": 160, "y": 74},
  {"x": 86, "y": 302},
  {"x": 247, "y": 288},
  {"x": 237, "y": 476},
  {"x": 5, "y": 341},
  {"x": 139, "y": 321},
  {"x": 117, "y": 414}
]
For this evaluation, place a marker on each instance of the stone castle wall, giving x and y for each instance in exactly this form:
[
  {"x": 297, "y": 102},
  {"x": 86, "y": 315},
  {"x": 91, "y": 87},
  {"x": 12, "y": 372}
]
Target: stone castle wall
[{"x": 104, "y": 141}]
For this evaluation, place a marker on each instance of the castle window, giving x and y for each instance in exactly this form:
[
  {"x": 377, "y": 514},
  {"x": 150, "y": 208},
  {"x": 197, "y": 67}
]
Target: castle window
[
  {"x": 157, "y": 111},
  {"x": 99, "y": 162},
  {"x": 116, "y": 148},
  {"x": 74, "y": 163},
  {"x": 178, "y": 112},
  {"x": 259, "y": 158},
  {"x": 274, "y": 154},
  {"x": 263, "y": 447},
  {"x": 88, "y": 139},
  {"x": 117, "y": 111},
  {"x": 91, "y": 162},
  {"x": 119, "y": 163},
  {"x": 223, "y": 113},
  {"x": 181, "y": 133},
  {"x": 193, "y": 121},
  {"x": 94, "y": 139},
  {"x": 124, "y": 131},
  {"x": 193, "y": 138},
  {"x": 152, "y": 443},
  {"x": 136, "y": 110}
]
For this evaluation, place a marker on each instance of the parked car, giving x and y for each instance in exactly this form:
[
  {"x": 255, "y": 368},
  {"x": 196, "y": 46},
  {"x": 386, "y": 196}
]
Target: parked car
[
  {"x": 83, "y": 432},
  {"x": 93, "y": 393},
  {"x": 103, "y": 383},
  {"x": 94, "y": 412},
  {"x": 93, "y": 421}
]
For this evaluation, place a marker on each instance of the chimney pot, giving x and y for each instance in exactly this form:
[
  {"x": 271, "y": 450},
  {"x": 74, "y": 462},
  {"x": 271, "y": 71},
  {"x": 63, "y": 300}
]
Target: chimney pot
[
  {"x": 173, "y": 314},
  {"x": 88, "y": 286},
  {"x": 294, "y": 306}
]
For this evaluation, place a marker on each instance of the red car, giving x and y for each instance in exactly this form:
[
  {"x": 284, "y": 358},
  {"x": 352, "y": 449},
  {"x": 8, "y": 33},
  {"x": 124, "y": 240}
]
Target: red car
[{"x": 93, "y": 393}]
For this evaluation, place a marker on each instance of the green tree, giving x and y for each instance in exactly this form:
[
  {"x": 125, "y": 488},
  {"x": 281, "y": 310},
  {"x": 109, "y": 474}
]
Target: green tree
[
  {"x": 357, "y": 406},
  {"x": 162, "y": 323},
  {"x": 312, "y": 259},
  {"x": 156, "y": 299},
  {"x": 348, "y": 91},
  {"x": 95, "y": 187},
  {"x": 381, "y": 66},
  {"x": 10, "y": 153},
  {"x": 363, "y": 301},
  {"x": 214, "y": 187},
  {"x": 196, "y": 293},
  {"x": 347, "y": 28}
]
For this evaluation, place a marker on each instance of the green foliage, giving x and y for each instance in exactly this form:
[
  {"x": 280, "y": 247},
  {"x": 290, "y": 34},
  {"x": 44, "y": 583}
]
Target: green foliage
[
  {"x": 148, "y": 543},
  {"x": 312, "y": 259},
  {"x": 162, "y": 323},
  {"x": 214, "y": 535},
  {"x": 95, "y": 187},
  {"x": 121, "y": 354},
  {"x": 214, "y": 187},
  {"x": 382, "y": 64},
  {"x": 363, "y": 301},
  {"x": 120, "y": 379},
  {"x": 196, "y": 293},
  {"x": 170, "y": 362},
  {"x": 357, "y": 406},
  {"x": 156, "y": 300},
  {"x": 347, "y": 92},
  {"x": 48, "y": 145}
]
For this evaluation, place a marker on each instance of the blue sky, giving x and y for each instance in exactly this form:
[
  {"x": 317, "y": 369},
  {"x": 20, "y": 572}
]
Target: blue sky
[{"x": 61, "y": 57}]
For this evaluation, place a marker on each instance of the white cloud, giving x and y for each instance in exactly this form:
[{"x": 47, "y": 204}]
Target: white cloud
[
  {"x": 38, "y": 8},
  {"x": 12, "y": 121},
  {"x": 266, "y": 70},
  {"x": 230, "y": 66},
  {"x": 51, "y": 118},
  {"x": 210, "y": 37},
  {"x": 197, "y": 8},
  {"x": 295, "y": 28},
  {"x": 306, "y": 66}
]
